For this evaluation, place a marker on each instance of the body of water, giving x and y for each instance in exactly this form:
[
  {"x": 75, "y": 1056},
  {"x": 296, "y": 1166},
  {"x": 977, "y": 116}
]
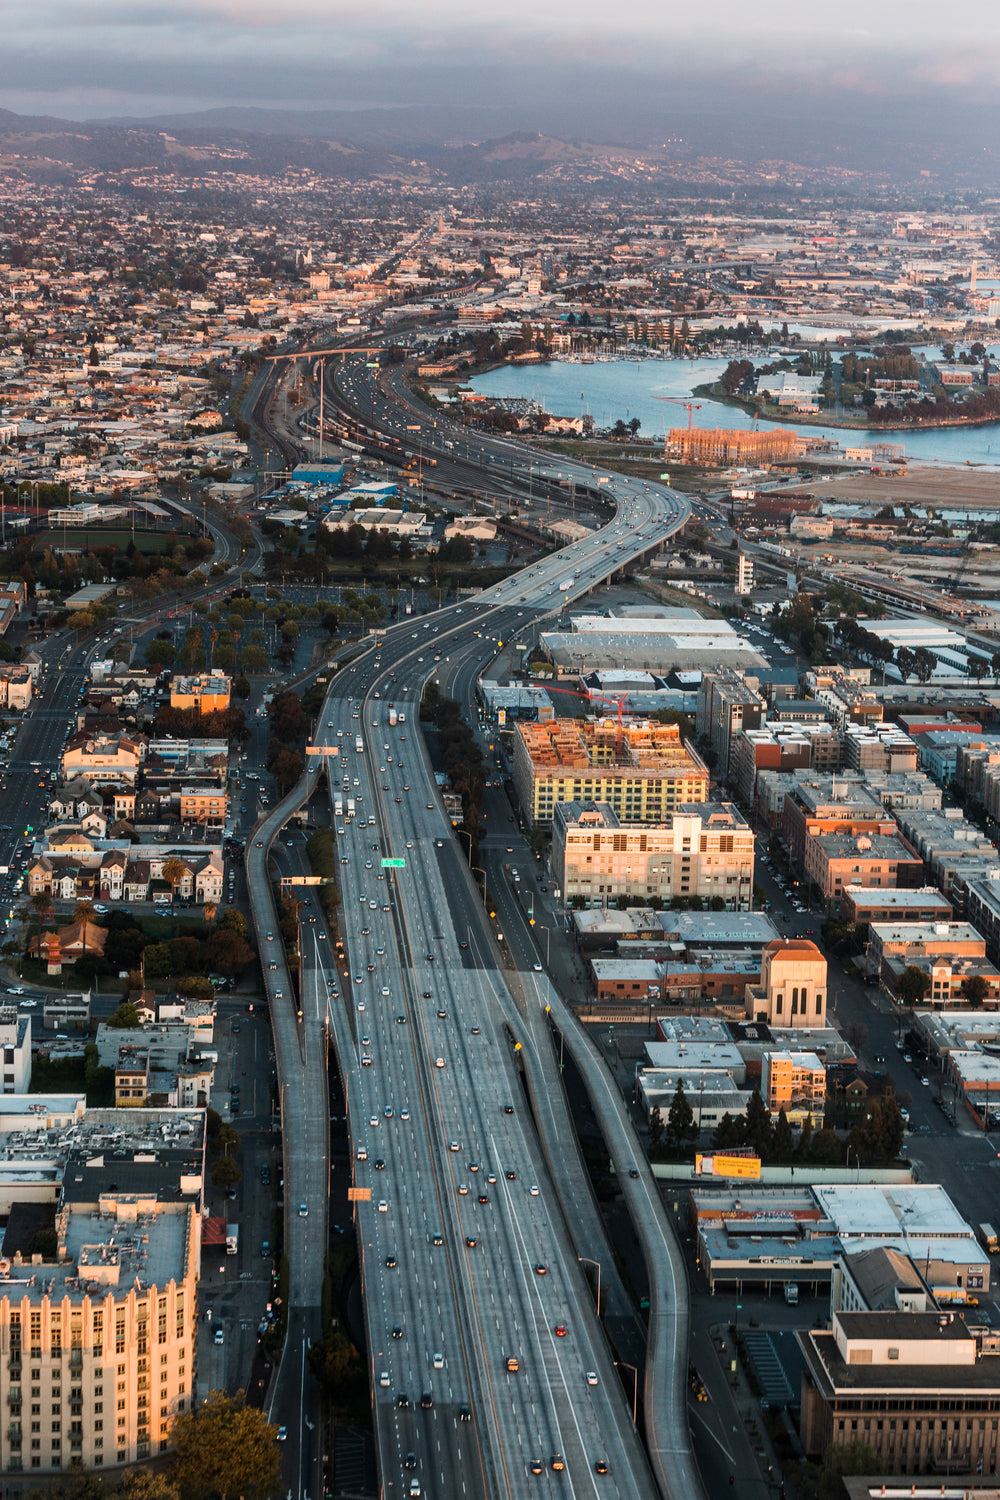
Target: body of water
[{"x": 625, "y": 389}]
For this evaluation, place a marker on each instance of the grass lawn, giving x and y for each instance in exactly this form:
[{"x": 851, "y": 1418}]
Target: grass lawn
[{"x": 95, "y": 537}]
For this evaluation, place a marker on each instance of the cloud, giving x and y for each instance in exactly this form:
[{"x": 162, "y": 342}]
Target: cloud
[{"x": 147, "y": 57}]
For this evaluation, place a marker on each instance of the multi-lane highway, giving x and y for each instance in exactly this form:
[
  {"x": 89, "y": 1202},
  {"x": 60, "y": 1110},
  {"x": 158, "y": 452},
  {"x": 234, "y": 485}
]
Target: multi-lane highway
[{"x": 467, "y": 1259}]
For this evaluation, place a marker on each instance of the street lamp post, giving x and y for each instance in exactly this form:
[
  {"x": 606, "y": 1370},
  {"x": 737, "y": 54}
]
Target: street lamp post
[{"x": 586, "y": 1260}]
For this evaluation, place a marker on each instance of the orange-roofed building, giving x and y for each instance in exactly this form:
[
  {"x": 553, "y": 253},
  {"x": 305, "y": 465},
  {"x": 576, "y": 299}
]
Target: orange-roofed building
[
  {"x": 642, "y": 770},
  {"x": 792, "y": 987}
]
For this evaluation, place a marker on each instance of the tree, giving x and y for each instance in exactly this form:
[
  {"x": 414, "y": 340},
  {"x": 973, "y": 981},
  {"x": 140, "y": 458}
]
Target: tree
[
  {"x": 83, "y": 911},
  {"x": 227, "y": 951},
  {"x": 41, "y": 904},
  {"x": 680, "y": 1119},
  {"x": 975, "y": 989},
  {"x": 225, "y": 1173},
  {"x": 173, "y": 872},
  {"x": 757, "y": 1129},
  {"x": 925, "y": 662},
  {"x": 913, "y": 985},
  {"x": 143, "y": 1484},
  {"x": 234, "y": 921},
  {"x": 224, "y": 1447},
  {"x": 783, "y": 1146},
  {"x": 727, "y": 1133},
  {"x": 125, "y": 1017}
]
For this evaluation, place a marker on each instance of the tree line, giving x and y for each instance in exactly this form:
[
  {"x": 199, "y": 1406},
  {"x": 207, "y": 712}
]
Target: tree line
[{"x": 876, "y": 1139}]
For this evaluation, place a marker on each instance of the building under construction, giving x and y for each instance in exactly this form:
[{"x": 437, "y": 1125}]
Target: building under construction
[
  {"x": 731, "y": 445},
  {"x": 641, "y": 768}
]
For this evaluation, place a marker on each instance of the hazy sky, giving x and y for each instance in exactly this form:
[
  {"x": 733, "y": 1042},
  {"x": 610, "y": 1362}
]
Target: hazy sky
[{"x": 79, "y": 58}]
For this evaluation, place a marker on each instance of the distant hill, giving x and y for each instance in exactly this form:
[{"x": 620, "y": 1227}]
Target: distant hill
[
  {"x": 48, "y": 149},
  {"x": 770, "y": 158}
]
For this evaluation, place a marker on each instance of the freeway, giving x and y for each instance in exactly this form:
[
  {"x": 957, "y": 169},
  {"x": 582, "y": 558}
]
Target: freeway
[
  {"x": 427, "y": 1038},
  {"x": 440, "y": 1049}
]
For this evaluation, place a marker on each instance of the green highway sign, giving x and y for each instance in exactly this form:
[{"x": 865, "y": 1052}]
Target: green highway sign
[{"x": 394, "y": 864}]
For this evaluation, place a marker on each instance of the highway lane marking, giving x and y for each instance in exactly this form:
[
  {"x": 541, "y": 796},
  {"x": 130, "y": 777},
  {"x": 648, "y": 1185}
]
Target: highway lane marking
[
  {"x": 697, "y": 1416},
  {"x": 554, "y": 1349}
]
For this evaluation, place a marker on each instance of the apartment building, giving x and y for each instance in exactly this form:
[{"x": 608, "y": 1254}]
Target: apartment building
[
  {"x": 97, "y": 1348},
  {"x": 977, "y": 774},
  {"x": 796, "y": 1083},
  {"x": 830, "y": 804},
  {"x": 728, "y": 703},
  {"x": 834, "y": 861},
  {"x": 916, "y": 1388},
  {"x": 792, "y": 989},
  {"x": 208, "y": 692},
  {"x": 781, "y": 748},
  {"x": 15, "y": 687},
  {"x": 131, "y": 1077},
  {"x": 704, "y": 850},
  {"x": 641, "y": 770},
  {"x": 203, "y": 805},
  {"x": 879, "y": 747},
  {"x": 953, "y": 849},
  {"x": 982, "y": 907},
  {"x": 847, "y": 694}
]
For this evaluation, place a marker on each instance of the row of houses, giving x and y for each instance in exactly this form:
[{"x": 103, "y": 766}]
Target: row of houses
[{"x": 131, "y": 873}]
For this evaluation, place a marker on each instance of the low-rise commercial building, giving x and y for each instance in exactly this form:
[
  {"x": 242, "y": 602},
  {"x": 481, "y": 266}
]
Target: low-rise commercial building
[
  {"x": 207, "y": 692},
  {"x": 15, "y": 687},
  {"x": 864, "y": 904}
]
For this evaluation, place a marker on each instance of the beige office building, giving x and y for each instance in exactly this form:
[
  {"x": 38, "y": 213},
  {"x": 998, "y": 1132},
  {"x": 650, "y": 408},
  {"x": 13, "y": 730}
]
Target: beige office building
[
  {"x": 97, "y": 1349},
  {"x": 704, "y": 850},
  {"x": 640, "y": 769}
]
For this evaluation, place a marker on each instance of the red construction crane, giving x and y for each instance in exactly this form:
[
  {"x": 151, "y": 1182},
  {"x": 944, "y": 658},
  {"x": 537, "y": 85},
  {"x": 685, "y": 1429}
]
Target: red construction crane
[{"x": 691, "y": 406}]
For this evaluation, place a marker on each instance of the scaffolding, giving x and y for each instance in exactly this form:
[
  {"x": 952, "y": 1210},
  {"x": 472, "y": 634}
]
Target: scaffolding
[{"x": 731, "y": 445}]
